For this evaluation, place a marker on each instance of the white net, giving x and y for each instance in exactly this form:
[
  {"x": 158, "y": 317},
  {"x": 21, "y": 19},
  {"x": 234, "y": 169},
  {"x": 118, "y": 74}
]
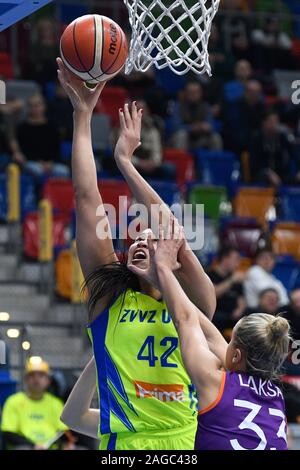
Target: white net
[{"x": 171, "y": 34}]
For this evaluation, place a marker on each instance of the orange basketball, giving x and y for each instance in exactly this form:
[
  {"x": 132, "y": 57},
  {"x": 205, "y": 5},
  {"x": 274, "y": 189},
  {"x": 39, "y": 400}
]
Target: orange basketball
[{"x": 94, "y": 48}]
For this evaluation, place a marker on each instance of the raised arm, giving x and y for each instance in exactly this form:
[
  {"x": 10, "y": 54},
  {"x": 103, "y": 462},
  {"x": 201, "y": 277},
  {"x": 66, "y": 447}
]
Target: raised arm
[
  {"x": 77, "y": 414},
  {"x": 191, "y": 275},
  {"x": 202, "y": 364},
  {"x": 92, "y": 249}
]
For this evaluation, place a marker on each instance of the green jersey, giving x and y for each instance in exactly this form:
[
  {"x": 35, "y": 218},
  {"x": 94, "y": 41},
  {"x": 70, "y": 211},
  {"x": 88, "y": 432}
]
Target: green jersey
[{"x": 142, "y": 383}]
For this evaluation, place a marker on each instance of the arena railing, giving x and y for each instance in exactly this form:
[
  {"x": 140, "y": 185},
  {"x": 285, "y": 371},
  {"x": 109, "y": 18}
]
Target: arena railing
[{"x": 14, "y": 210}]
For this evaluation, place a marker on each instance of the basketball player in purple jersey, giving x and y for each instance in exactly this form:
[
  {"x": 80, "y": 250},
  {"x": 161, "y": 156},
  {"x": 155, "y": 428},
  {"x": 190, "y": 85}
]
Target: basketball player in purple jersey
[{"x": 240, "y": 408}]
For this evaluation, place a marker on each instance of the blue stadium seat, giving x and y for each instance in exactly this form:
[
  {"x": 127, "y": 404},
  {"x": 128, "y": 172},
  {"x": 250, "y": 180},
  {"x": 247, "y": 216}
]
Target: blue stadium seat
[
  {"x": 28, "y": 195},
  {"x": 287, "y": 270},
  {"x": 290, "y": 203},
  {"x": 218, "y": 168},
  {"x": 7, "y": 386},
  {"x": 168, "y": 192}
]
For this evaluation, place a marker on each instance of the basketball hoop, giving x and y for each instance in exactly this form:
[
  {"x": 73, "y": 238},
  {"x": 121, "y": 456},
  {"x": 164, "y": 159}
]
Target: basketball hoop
[{"x": 170, "y": 33}]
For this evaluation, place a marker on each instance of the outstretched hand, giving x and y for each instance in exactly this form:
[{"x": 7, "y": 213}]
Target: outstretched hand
[
  {"x": 169, "y": 244},
  {"x": 83, "y": 99},
  {"x": 130, "y": 132}
]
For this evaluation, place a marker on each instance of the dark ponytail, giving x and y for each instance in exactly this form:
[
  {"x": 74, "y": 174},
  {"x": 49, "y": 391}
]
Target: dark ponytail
[{"x": 110, "y": 279}]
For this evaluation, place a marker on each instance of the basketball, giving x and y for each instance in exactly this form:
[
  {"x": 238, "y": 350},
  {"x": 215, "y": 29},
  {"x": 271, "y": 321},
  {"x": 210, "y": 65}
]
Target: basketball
[{"x": 94, "y": 48}]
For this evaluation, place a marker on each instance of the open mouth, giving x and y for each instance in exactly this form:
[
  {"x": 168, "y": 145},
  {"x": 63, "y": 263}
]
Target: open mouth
[{"x": 139, "y": 255}]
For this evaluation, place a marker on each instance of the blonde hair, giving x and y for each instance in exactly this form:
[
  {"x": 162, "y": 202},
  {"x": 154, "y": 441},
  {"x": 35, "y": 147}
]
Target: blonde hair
[{"x": 265, "y": 340}]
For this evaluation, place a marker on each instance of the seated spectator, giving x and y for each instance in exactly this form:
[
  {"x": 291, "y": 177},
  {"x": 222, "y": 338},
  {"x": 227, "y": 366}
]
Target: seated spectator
[
  {"x": 191, "y": 123},
  {"x": 235, "y": 89},
  {"x": 43, "y": 52},
  {"x": 220, "y": 58},
  {"x": 229, "y": 288},
  {"x": 271, "y": 152},
  {"x": 272, "y": 46},
  {"x": 268, "y": 303},
  {"x": 259, "y": 277},
  {"x": 292, "y": 313},
  {"x": 31, "y": 418},
  {"x": 8, "y": 114},
  {"x": 60, "y": 113},
  {"x": 242, "y": 118},
  {"x": 148, "y": 157},
  {"x": 235, "y": 28},
  {"x": 36, "y": 143}
]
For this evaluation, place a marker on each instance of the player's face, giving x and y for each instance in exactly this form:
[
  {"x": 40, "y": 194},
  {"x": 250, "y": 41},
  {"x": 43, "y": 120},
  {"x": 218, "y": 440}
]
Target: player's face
[
  {"x": 37, "y": 382},
  {"x": 138, "y": 253}
]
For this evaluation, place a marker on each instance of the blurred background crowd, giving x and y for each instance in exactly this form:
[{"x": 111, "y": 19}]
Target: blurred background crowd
[{"x": 230, "y": 142}]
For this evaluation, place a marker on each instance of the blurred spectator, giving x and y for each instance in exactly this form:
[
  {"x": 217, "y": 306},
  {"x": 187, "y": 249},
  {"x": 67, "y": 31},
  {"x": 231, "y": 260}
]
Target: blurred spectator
[
  {"x": 8, "y": 115},
  {"x": 43, "y": 52},
  {"x": 220, "y": 58},
  {"x": 292, "y": 313},
  {"x": 242, "y": 118},
  {"x": 235, "y": 29},
  {"x": 36, "y": 146},
  {"x": 4, "y": 145},
  {"x": 60, "y": 113},
  {"x": 235, "y": 89},
  {"x": 271, "y": 152},
  {"x": 272, "y": 47},
  {"x": 268, "y": 303},
  {"x": 229, "y": 289},
  {"x": 260, "y": 277},
  {"x": 148, "y": 157},
  {"x": 191, "y": 122},
  {"x": 31, "y": 419}
]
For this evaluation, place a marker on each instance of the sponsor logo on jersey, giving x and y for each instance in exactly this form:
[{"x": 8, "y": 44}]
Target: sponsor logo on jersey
[{"x": 162, "y": 392}]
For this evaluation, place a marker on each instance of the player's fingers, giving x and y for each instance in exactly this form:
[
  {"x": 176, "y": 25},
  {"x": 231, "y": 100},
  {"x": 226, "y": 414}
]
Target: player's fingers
[
  {"x": 181, "y": 237},
  {"x": 127, "y": 116},
  {"x": 135, "y": 270},
  {"x": 160, "y": 232},
  {"x": 122, "y": 120},
  {"x": 177, "y": 229},
  {"x": 150, "y": 245},
  {"x": 177, "y": 266},
  {"x": 168, "y": 231},
  {"x": 66, "y": 73},
  {"x": 134, "y": 111},
  {"x": 138, "y": 121},
  {"x": 99, "y": 88},
  {"x": 60, "y": 63}
]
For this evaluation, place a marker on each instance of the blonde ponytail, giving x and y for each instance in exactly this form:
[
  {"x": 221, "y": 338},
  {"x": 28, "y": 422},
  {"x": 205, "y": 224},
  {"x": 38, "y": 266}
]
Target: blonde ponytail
[{"x": 265, "y": 340}]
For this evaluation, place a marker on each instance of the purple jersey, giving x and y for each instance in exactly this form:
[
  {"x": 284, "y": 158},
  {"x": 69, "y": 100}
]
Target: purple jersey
[{"x": 249, "y": 414}]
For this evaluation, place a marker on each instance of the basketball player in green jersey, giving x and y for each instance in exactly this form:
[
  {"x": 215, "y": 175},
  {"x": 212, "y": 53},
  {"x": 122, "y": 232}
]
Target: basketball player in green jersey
[{"x": 146, "y": 398}]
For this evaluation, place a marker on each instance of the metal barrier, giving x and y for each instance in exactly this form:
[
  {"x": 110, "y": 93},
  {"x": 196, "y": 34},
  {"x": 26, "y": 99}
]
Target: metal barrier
[
  {"x": 46, "y": 284},
  {"x": 14, "y": 210}
]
